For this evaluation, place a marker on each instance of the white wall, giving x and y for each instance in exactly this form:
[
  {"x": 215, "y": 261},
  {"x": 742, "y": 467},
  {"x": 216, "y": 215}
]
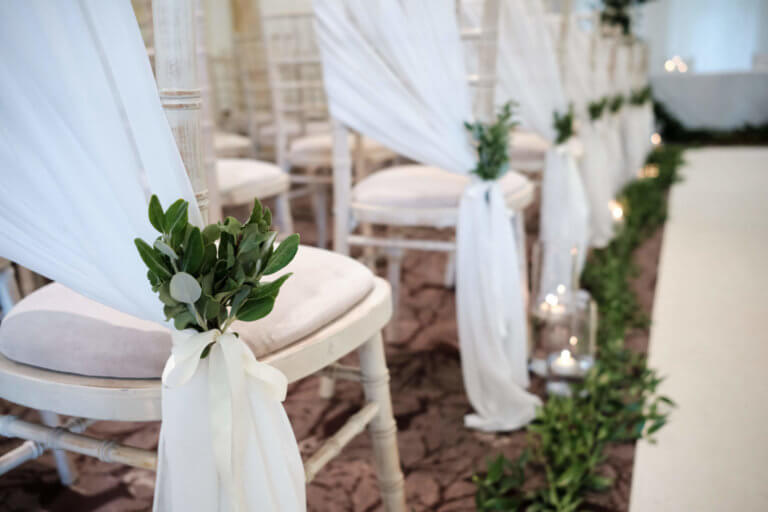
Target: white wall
[{"x": 718, "y": 35}]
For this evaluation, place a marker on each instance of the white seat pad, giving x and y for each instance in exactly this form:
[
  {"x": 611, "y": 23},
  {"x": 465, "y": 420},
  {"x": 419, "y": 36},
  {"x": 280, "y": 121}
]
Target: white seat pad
[
  {"x": 268, "y": 130},
  {"x": 527, "y": 150},
  {"x": 421, "y": 186},
  {"x": 242, "y": 179},
  {"x": 58, "y": 329},
  {"x": 227, "y": 144},
  {"x": 317, "y": 149}
]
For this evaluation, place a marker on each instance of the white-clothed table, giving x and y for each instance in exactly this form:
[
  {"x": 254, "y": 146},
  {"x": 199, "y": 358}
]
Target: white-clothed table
[
  {"x": 722, "y": 101},
  {"x": 528, "y": 74},
  {"x": 84, "y": 143},
  {"x": 394, "y": 71}
]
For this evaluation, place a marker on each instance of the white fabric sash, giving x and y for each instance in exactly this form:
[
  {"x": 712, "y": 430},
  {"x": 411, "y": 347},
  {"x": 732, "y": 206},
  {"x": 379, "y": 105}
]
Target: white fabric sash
[
  {"x": 565, "y": 217},
  {"x": 491, "y": 313},
  {"x": 248, "y": 464}
]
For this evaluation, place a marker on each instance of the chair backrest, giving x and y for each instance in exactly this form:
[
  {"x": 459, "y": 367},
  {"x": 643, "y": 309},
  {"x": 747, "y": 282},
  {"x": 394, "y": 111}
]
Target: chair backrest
[
  {"x": 295, "y": 77},
  {"x": 178, "y": 84},
  {"x": 478, "y": 23},
  {"x": 253, "y": 76}
]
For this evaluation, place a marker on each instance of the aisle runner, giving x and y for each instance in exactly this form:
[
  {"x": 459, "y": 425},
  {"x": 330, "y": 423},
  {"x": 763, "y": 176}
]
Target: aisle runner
[{"x": 710, "y": 338}]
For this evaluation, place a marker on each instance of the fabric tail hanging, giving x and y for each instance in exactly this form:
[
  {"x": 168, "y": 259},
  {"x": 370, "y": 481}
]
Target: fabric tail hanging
[
  {"x": 84, "y": 143},
  {"x": 564, "y": 219},
  {"x": 394, "y": 71}
]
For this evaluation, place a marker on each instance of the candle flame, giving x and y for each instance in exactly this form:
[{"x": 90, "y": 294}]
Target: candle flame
[
  {"x": 565, "y": 355},
  {"x": 616, "y": 210}
]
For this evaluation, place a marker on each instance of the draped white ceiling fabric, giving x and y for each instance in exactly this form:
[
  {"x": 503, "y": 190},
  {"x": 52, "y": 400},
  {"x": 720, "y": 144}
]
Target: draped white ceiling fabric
[
  {"x": 394, "y": 70},
  {"x": 528, "y": 73},
  {"x": 84, "y": 143}
]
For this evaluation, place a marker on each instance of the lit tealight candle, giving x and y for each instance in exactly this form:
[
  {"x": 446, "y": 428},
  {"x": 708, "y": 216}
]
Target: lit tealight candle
[
  {"x": 565, "y": 364},
  {"x": 616, "y": 210}
]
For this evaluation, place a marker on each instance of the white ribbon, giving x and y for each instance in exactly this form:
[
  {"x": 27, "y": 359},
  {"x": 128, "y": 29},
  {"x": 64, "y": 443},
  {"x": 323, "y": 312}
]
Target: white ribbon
[{"x": 230, "y": 361}]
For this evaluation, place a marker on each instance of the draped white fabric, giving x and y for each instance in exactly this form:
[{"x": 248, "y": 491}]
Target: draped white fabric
[
  {"x": 394, "y": 71},
  {"x": 579, "y": 85},
  {"x": 639, "y": 125},
  {"x": 610, "y": 126},
  {"x": 528, "y": 74},
  {"x": 83, "y": 144}
]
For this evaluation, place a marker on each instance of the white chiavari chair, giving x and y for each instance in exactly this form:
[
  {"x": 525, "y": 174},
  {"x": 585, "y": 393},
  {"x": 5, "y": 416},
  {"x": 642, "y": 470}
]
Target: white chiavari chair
[
  {"x": 420, "y": 196},
  {"x": 303, "y": 139},
  {"x": 110, "y": 368}
]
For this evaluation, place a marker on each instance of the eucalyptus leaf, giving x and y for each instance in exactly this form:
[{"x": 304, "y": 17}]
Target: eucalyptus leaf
[
  {"x": 185, "y": 288},
  {"x": 156, "y": 216},
  {"x": 283, "y": 254},
  {"x": 176, "y": 216},
  {"x": 211, "y": 233},
  {"x": 269, "y": 289},
  {"x": 255, "y": 309},
  {"x": 166, "y": 249},
  {"x": 152, "y": 260},
  {"x": 193, "y": 252}
]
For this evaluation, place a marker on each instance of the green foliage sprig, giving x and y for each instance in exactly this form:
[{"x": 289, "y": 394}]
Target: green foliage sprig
[
  {"x": 615, "y": 103},
  {"x": 674, "y": 131},
  {"x": 563, "y": 125},
  {"x": 641, "y": 96},
  {"x": 492, "y": 144},
  {"x": 596, "y": 109},
  {"x": 618, "y": 400},
  {"x": 208, "y": 279},
  {"x": 615, "y": 13}
]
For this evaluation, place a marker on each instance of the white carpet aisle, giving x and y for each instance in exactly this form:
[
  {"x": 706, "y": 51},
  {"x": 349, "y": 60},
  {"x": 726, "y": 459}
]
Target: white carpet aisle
[{"x": 710, "y": 338}]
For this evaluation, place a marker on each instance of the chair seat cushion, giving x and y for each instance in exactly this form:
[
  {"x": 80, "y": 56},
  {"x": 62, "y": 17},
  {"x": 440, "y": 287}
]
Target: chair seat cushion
[
  {"x": 527, "y": 151},
  {"x": 242, "y": 179},
  {"x": 58, "y": 329},
  {"x": 421, "y": 186},
  {"x": 268, "y": 130},
  {"x": 231, "y": 145},
  {"x": 317, "y": 149}
]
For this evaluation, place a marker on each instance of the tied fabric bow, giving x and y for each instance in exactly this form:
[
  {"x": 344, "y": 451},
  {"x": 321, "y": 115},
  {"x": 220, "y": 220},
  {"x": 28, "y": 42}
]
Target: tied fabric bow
[{"x": 230, "y": 362}]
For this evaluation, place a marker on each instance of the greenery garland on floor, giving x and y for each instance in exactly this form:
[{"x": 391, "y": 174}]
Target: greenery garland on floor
[
  {"x": 617, "y": 401},
  {"x": 673, "y": 131}
]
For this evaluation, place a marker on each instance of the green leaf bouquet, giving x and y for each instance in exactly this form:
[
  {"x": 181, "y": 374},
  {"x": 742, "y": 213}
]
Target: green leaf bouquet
[{"x": 208, "y": 279}]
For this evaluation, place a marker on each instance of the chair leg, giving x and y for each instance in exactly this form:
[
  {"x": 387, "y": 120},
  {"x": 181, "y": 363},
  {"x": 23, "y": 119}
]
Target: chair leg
[
  {"x": 319, "y": 201},
  {"x": 383, "y": 429},
  {"x": 9, "y": 291},
  {"x": 283, "y": 207},
  {"x": 67, "y": 473},
  {"x": 450, "y": 271},
  {"x": 394, "y": 274},
  {"x": 369, "y": 252},
  {"x": 522, "y": 254},
  {"x": 327, "y": 387}
]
